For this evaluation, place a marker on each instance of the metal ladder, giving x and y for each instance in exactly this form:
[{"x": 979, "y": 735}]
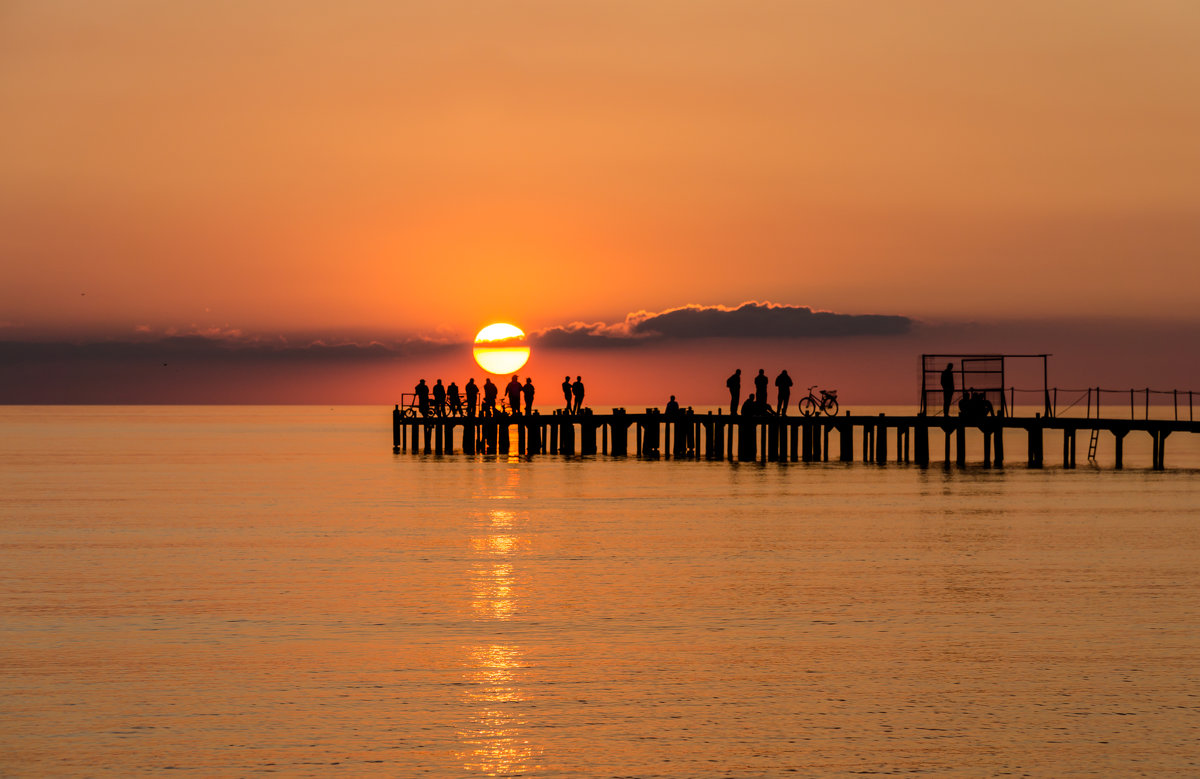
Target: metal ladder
[{"x": 1095, "y": 439}]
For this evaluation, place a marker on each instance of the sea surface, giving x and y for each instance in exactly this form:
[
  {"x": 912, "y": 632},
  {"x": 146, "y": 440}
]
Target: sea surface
[{"x": 235, "y": 591}]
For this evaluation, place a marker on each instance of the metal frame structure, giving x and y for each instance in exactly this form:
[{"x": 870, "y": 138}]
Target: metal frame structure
[{"x": 976, "y": 365}]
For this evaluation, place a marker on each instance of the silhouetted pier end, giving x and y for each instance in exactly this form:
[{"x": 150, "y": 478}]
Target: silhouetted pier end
[{"x": 686, "y": 435}]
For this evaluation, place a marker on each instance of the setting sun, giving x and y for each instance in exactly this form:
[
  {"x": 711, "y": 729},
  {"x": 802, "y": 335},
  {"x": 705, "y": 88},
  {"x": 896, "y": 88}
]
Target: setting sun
[{"x": 501, "y": 348}]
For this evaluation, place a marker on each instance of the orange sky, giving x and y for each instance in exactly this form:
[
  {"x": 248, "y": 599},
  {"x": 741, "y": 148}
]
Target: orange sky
[{"x": 382, "y": 169}]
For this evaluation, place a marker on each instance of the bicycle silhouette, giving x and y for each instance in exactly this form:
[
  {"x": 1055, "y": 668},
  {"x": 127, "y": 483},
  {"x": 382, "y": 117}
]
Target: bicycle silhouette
[{"x": 812, "y": 405}]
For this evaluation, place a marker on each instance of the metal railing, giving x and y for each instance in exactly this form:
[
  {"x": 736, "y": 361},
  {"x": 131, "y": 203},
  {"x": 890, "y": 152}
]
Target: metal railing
[{"x": 1141, "y": 403}]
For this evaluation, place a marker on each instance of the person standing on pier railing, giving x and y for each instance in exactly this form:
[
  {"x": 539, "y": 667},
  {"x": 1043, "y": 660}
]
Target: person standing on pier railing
[
  {"x": 455, "y": 400},
  {"x": 472, "y": 396},
  {"x": 734, "y": 383},
  {"x": 439, "y": 399},
  {"x": 760, "y": 386},
  {"x": 566, "y": 388},
  {"x": 947, "y": 388},
  {"x": 577, "y": 391},
  {"x": 422, "y": 393},
  {"x": 513, "y": 391},
  {"x": 784, "y": 383},
  {"x": 490, "y": 392},
  {"x": 527, "y": 390}
]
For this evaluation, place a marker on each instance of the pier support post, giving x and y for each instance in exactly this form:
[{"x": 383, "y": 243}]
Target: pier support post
[
  {"x": 868, "y": 442},
  {"x": 921, "y": 445},
  {"x": 825, "y": 428},
  {"x": 746, "y": 446},
  {"x": 1035, "y": 442},
  {"x": 651, "y": 436},
  {"x": 1160, "y": 449},
  {"x": 522, "y": 437},
  {"x": 620, "y": 433},
  {"x": 772, "y": 433},
  {"x": 396, "y": 426},
  {"x": 428, "y": 435},
  {"x": 846, "y": 442},
  {"x": 960, "y": 445},
  {"x": 998, "y": 446},
  {"x": 1119, "y": 448},
  {"x": 794, "y": 440},
  {"x": 1068, "y": 447},
  {"x": 987, "y": 447},
  {"x": 881, "y": 442},
  {"x": 554, "y": 425},
  {"x": 503, "y": 443},
  {"x": 604, "y": 438},
  {"x": 449, "y": 448},
  {"x": 587, "y": 435},
  {"x": 566, "y": 437},
  {"x": 469, "y": 436}
]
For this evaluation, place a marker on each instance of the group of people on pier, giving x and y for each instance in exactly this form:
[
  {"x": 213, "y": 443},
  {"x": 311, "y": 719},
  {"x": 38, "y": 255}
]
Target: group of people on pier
[
  {"x": 756, "y": 403},
  {"x": 449, "y": 400}
]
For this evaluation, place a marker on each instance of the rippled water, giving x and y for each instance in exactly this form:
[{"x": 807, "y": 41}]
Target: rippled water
[{"x": 230, "y": 591}]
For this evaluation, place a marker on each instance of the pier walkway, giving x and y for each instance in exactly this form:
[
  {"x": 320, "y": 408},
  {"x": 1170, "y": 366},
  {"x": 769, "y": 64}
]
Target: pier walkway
[{"x": 718, "y": 436}]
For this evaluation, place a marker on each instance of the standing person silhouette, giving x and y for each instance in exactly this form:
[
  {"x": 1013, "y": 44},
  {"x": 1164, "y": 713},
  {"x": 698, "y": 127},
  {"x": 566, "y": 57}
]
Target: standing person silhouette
[
  {"x": 784, "y": 383},
  {"x": 439, "y": 399},
  {"x": 734, "y": 383},
  {"x": 455, "y": 399},
  {"x": 527, "y": 390},
  {"x": 760, "y": 387},
  {"x": 672, "y": 407},
  {"x": 513, "y": 391},
  {"x": 422, "y": 392},
  {"x": 490, "y": 392},
  {"x": 577, "y": 391},
  {"x": 947, "y": 388},
  {"x": 472, "y": 396},
  {"x": 566, "y": 388}
]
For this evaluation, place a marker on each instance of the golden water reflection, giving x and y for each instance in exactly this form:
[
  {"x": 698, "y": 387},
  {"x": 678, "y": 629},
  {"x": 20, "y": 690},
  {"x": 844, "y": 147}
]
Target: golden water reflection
[{"x": 494, "y": 734}]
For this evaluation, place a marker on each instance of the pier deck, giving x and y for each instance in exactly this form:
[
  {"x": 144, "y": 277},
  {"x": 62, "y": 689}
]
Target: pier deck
[{"x": 718, "y": 436}]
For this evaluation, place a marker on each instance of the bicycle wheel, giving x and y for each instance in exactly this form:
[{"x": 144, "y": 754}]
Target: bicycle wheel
[
  {"x": 808, "y": 406},
  {"x": 831, "y": 406}
]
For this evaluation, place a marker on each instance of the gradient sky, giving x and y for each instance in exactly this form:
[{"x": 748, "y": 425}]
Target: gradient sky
[{"x": 383, "y": 171}]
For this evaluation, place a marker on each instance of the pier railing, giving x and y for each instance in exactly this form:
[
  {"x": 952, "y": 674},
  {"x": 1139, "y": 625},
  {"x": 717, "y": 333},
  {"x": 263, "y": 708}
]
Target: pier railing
[{"x": 1101, "y": 402}]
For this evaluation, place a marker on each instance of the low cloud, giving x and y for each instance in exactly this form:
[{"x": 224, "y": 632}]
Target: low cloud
[
  {"x": 751, "y": 319},
  {"x": 203, "y": 348}
]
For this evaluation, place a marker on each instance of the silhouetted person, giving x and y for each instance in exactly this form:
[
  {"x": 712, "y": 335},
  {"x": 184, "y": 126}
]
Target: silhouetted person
[
  {"x": 760, "y": 386},
  {"x": 577, "y": 392},
  {"x": 513, "y": 391},
  {"x": 750, "y": 407},
  {"x": 454, "y": 399},
  {"x": 566, "y": 388},
  {"x": 784, "y": 384},
  {"x": 672, "y": 407},
  {"x": 472, "y": 396},
  {"x": 439, "y": 398},
  {"x": 527, "y": 390},
  {"x": 422, "y": 391},
  {"x": 734, "y": 383},
  {"x": 490, "y": 393},
  {"x": 947, "y": 388}
]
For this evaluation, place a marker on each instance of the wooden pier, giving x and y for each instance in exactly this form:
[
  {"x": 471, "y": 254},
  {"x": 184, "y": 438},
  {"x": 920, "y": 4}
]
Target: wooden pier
[{"x": 718, "y": 436}]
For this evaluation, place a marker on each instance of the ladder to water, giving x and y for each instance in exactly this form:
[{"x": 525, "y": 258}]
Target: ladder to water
[{"x": 1092, "y": 444}]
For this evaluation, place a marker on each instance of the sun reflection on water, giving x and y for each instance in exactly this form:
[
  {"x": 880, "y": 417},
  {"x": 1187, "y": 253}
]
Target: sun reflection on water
[{"x": 494, "y": 735}]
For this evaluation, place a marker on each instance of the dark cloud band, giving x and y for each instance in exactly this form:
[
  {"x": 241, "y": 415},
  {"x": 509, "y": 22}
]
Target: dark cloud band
[{"x": 749, "y": 320}]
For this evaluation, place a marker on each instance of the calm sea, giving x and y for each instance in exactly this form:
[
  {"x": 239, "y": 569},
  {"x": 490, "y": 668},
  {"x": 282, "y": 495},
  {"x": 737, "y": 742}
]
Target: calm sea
[{"x": 229, "y": 591}]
